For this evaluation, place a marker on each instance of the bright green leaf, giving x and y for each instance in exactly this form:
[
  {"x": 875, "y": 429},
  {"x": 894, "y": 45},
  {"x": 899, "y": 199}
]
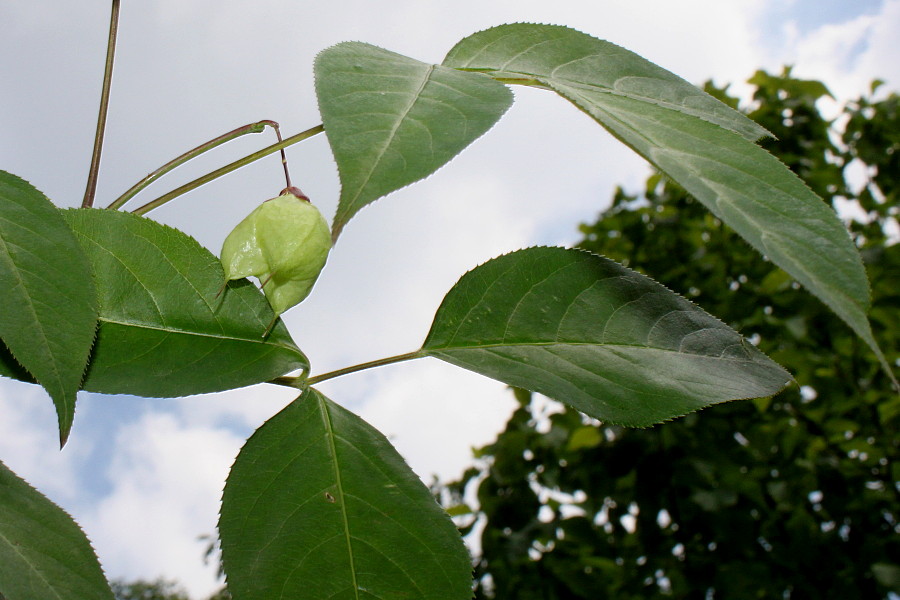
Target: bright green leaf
[
  {"x": 691, "y": 138},
  {"x": 43, "y": 552},
  {"x": 392, "y": 120},
  {"x": 584, "y": 437},
  {"x": 49, "y": 305},
  {"x": 587, "y": 331},
  {"x": 320, "y": 505},
  {"x": 560, "y": 57},
  {"x": 163, "y": 329},
  {"x": 459, "y": 510}
]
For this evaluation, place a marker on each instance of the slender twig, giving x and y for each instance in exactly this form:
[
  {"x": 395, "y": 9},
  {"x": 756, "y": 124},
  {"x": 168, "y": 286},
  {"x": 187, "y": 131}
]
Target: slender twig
[
  {"x": 257, "y": 127},
  {"x": 104, "y": 106},
  {"x": 287, "y": 175},
  {"x": 228, "y": 169},
  {"x": 294, "y": 381}
]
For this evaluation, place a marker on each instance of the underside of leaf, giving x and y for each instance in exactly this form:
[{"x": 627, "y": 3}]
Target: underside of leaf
[
  {"x": 587, "y": 331},
  {"x": 392, "y": 120},
  {"x": 699, "y": 142},
  {"x": 319, "y": 505}
]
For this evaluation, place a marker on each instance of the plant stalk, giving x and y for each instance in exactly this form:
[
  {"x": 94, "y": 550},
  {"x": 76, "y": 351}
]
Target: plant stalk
[
  {"x": 293, "y": 381},
  {"x": 242, "y": 162},
  {"x": 94, "y": 171},
  {"x": 257, "y": 127}
]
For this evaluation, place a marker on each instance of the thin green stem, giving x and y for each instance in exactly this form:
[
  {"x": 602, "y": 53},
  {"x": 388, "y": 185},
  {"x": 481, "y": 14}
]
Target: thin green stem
[
  {"x": 294, "y": 381},
  {"x": 228, "y": 169},
  {"x": 94, "y": 171},
  {"x": 257, "y": 127},
  {"x": 526, "y": 81}
]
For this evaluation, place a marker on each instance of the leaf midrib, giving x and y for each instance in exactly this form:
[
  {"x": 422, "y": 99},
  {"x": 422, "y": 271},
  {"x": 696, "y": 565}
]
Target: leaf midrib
[
  {"x": 549, "y": 80},
  {"x": 709, "y": 184},
  {"x": 332, "y": 447},
  {"x": 393, "y": 134},
  {"x": 611, "y": 346},
  {"x": 194, "y": 333},
  {"x": 34, "y": 569}
]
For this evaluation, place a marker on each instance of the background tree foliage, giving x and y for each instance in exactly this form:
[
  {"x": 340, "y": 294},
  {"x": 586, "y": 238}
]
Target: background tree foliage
[
  {"x": 794, "y": 496},
  {"x": 160, "y": 589}
]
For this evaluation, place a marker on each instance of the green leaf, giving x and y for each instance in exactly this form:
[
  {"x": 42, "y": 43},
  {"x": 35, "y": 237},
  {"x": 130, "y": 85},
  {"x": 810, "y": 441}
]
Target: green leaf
[
  {"x": 587, "y": 331},
  {"x": 49, "y": 312},
  {"x": 691, "y": 138},
  {"x": 320, "y": 505},
  {"x": 163, "y": 330},
  {"x": 392, "y": 120},
  {"x": 43, "y": 552},
  {"x": 559, "y": 57}
]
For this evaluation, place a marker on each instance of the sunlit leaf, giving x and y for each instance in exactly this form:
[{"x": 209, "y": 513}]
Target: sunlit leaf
[
  {"x": 392, "y": 120},
  {"x": 164, "y": 331},
  {"x": 43, "y": 552},
  {"x": 587, "y": 331},
  {"x": 319, "y": 505},
  {"x": 49, "y": 305}
]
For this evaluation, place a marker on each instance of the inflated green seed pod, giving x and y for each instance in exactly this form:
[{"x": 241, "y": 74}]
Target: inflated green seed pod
[
  {"x": 241, "y": 254},
  {"x": 284, "y": 242}
]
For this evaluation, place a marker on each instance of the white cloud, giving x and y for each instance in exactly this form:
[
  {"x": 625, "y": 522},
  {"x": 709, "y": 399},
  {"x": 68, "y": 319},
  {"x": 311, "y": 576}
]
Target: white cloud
[
  {"x": 849, "y": 55},
  {"x": 29, "y": 441},
  {"x": 167, "y": 481},
  {"x": 435, "y": 414}
]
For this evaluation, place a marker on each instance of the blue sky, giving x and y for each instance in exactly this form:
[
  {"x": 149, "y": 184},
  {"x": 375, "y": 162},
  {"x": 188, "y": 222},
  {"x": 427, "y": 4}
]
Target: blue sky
[
  {"x": 142, "y": 476},
  {"x": 810, "y": 15}
]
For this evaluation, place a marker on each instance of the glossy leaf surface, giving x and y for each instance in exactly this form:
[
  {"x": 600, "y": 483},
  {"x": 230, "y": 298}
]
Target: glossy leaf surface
[
  {"x": 691, "y": 138},
  {"x": 49, "y": 305},
  {"x": 320, "y": 505},
  {"x": 43, "y": 552},
  {"x": 163, "y": 332},
  {"x": 589, "y": 332},
  {"x": 392, "y": 120}
]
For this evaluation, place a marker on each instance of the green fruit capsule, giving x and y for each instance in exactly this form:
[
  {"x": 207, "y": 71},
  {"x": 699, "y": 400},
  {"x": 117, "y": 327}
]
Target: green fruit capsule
[{"x": 284, "y": 242}]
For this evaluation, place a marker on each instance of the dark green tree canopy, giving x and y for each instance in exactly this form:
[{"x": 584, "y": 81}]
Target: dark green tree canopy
[{"x": 793, "y": 496}]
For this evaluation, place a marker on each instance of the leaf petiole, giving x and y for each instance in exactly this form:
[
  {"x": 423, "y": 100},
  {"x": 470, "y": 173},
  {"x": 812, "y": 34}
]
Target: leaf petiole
[
  {"x": 228, "y": 169},
  {"x": 257, "y": 127},
  {"x": 301, "y": 382}
]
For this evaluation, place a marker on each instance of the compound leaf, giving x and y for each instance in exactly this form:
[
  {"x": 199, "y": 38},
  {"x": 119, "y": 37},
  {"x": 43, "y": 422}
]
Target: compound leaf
[
  {"x": 392, "y": 120},
  {"x": 586, "y": 331},
  {"x": 164, "y": 331},
  {"x": 43, "y": 552},
  {"x": 49, "y": 312},
  {"x": 319, "y": 505}
]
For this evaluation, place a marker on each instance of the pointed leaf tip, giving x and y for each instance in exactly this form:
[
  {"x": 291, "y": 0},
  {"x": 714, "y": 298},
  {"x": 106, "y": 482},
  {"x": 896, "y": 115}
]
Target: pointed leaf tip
[
  {"x": 589, "y": 332},
  {"x": 393, "y": 120},
  {"x": 47, "y": 291}
]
